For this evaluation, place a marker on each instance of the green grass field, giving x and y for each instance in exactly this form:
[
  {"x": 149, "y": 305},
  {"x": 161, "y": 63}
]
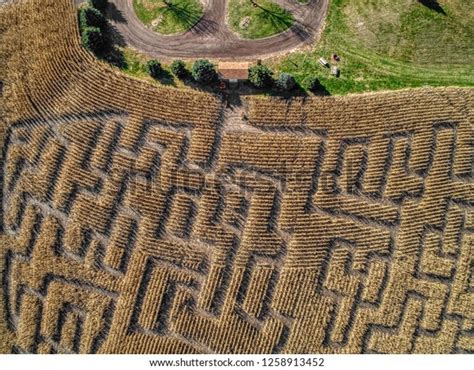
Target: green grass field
[
  {"x": 391, "y": 44},
  {"x": 168, "y": 17},
  {"x": 265, "y": 18}
]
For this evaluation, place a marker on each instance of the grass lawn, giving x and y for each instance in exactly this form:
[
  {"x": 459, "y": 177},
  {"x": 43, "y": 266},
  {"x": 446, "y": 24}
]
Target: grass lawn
[
  {"x": 258, "y": 18},
  {"x": 135, "y": 65},
  {"x": 168, "y": 16},
  {"x": 391, "y": 44}
]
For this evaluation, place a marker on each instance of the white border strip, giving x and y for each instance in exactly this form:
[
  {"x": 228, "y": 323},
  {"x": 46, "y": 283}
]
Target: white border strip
[{"x": 322, "y": 362}]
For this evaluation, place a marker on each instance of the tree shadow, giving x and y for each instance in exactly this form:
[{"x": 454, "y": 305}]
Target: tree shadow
[
  {"x": 301, "y": 32},
  {"x": 320, "y": 90},
  {"x": 246, "y": 88},
  {"x": 115, "y": 14},
  {"x": 111, "y": 52},
  {"x": 205, "y": 27},
  {"x": 298, "y": 91},
  {"x": 183, "y": 13},
  {"x": 233, "y": 100},
  {"x": 113, "y": 56},
  {"x": 278, "y": 21},
  {"x": 115, "y": 36},
  {"x": 211, "y": 88},
  {"x": 433, "y": 5},
  {"x": 166, "y": 78}
]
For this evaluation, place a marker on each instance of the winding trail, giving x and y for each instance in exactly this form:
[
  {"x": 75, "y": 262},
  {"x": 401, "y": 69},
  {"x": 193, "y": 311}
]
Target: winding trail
[{"x": 211, "y": 37}]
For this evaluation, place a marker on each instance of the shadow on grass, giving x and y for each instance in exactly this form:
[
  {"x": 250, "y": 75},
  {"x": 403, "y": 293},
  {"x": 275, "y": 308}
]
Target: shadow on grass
[
  {"x": 166, "y": 78},
  {"x": 278, "y": 19},
  {"x": 246, "y": 88},
  {"x": 184, "y": 13},
  {"x": 109, "y": 50},
  {"x": 114, "y": 57},
  {"x": 297, "y": 91},
  {"x": 433, "y": 5},
  {"x": 320, "y": 90}
]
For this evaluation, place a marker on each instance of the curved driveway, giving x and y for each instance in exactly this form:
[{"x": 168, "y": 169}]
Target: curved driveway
[{"x": 211, "y": 37}]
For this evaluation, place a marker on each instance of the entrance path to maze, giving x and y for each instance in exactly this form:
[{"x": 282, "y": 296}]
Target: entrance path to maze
[
  {"x": 136, "y": 218},
  {"x": 212, "y": 38}
]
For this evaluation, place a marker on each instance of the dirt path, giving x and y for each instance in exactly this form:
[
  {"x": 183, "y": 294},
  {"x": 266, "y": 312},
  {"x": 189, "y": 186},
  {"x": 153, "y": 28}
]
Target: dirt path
[{"x": 211, "y": 37}]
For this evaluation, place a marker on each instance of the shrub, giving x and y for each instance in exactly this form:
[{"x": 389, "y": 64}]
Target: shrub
[
  {"x": 286, "y": 82},
  {"x": 178, "y": 68},
  {"x": 204, "y": 71},
  {"x": 153, "y": 67},
  {"x": 93, "y": 39},
  {"x": 91, "y": 17},
  {"x": 98, "y": 4},
  {"x": 260, "y": 76},
  {"x": 314, "y": 85}
]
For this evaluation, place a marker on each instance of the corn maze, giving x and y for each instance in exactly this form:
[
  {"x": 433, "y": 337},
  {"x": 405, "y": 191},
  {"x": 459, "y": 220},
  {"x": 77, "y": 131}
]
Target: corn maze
[{"x": 135, "y": 219}]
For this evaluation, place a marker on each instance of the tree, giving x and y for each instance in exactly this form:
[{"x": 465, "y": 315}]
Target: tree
[
  {"x": 98, "y": 4},
  {"x": 153, "y": 67},
  {"x": 286, "y": 82},
  {"x": 203, "y": 71},
  {"x": 260, "y": 76},
  {"x": 93, "y": 39},
  {"x": 91, "y": 17},
  {"x": 178, "y": 68}
]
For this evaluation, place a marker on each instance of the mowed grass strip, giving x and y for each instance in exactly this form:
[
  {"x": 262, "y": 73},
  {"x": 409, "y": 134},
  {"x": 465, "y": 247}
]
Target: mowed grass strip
[
  {"x": 254, "y": 19},
  {"x": 168, "y": 16},
  {"x": 391, "y": 44}
]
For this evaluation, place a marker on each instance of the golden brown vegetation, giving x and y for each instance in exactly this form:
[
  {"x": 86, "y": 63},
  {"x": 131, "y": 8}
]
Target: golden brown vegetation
[{"x": 138, "y": 219}]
